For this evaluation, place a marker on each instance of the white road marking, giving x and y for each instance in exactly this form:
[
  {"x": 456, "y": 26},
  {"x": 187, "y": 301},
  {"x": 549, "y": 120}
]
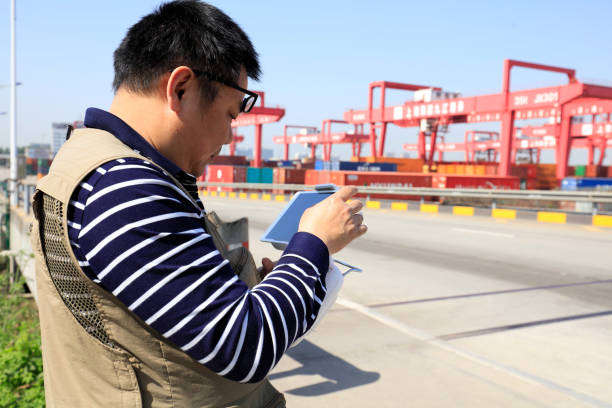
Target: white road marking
[
  {"x": 444, "y": 345},
  {"x": 494, "y": 234}
]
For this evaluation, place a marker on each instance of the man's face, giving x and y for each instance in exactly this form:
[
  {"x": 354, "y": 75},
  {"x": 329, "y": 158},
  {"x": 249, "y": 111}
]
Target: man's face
[{"x": 208, "y": 126}]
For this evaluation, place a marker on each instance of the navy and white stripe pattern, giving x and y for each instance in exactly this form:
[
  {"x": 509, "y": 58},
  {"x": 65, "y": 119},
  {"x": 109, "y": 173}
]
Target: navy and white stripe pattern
[{"x": 143, "y": 239}]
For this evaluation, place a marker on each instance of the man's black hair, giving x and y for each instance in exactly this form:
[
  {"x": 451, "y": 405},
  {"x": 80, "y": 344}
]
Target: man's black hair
[{"x": 184, "y": 32}]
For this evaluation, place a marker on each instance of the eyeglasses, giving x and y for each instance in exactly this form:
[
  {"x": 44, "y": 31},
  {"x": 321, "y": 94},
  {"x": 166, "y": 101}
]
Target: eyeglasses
[{"x": 249, "y": 100}]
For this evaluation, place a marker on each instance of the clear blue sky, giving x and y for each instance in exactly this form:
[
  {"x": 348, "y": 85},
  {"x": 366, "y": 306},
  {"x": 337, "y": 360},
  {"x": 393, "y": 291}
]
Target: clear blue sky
[{"x": 317, "y": 56}]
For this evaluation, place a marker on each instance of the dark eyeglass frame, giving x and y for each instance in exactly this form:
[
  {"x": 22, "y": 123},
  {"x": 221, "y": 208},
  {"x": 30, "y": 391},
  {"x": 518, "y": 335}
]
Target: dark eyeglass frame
[{"x": 249, "y": 100}]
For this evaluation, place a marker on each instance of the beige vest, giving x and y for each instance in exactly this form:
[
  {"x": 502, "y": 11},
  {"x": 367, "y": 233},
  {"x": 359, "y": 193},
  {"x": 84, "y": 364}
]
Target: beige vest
[{"x": 97, "y": 353}]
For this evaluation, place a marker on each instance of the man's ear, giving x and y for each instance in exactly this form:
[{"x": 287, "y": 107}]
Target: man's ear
[{"x": 180, "y": 81}]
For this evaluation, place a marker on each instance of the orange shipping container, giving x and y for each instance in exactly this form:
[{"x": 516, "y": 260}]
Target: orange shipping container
[
  {"x": 314, "y": 177},
  {"x": 491, "y": 169},
  {"x": 225, "y": 174}
]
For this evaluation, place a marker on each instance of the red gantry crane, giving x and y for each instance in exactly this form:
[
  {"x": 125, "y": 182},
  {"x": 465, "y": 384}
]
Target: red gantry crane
[
  {"x": 433, "y": 110},
  {"x": 258, "y": 116},
  {"x": 591, "y": 136},
  {"x": 236, "y": 138},
  {"x": 326, "y": 138}
]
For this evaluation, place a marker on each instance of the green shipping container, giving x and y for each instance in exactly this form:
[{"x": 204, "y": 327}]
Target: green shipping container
[
  {"x": 43, "y": 166},
  {"x": 580, "y": 171}
]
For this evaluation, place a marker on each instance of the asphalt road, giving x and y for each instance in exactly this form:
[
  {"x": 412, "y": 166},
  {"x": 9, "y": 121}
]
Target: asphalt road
[{"x": 455, "y": 311}]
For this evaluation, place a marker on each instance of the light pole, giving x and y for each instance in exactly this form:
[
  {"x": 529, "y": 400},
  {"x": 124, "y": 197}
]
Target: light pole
[{"x": 13, "y": 109}]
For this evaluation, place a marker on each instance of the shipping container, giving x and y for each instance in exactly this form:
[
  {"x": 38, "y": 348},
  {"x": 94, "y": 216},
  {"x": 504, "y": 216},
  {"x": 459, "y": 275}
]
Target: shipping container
[
  {"x": 31, "y": 166},
  {"x": 486, "y": 182},
  {"x": 305, "y": 165},
  {"x": 288, "y": 176},
  {"x": 43, "y": 166},
  {"x": 595, "y": 171},
  {"x": 586, "y": 183},
  {"x": 253, "y": 175},
  {"x": 480, "y": 170},
  {"x": 580, "y": 171},
  {"x": 491, "y": 169},
  {"x": 519, "y": 171},
  {"x": 381, "y": 179},
  {"x": 314, "y": 177},
  {"x": 221, "y": 173},
  {"x": 266, "y": 175},
  {"x": 531, "y": 169},
  {"x": 404, "y": 164},
  {"x": 230, "y": 160},
  {"x": 532, "y": 184},
  {"x": 354, "y": 166},
  {"x": 285, "y": 163}
]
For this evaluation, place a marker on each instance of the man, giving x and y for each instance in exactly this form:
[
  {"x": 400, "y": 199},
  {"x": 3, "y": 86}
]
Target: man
[{"x": 140, "y": 302}]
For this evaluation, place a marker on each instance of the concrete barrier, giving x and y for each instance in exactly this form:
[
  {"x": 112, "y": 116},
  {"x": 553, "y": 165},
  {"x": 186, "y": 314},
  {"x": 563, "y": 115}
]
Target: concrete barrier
[
  {"x": 373, "y": 204},
  {"x": 464, "y": 211},
  {"x": 20, "y": 246},
  {"x": 398, "y": 206},
  {"x": 552, "y": 217}
]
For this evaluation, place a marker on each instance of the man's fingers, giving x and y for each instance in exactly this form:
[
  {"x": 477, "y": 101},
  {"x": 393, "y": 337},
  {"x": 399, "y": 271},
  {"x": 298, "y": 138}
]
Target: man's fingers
[
  {"x": 267, "y": 264},
  {"x": 346, "y": 192},
  {"x": 355, "y": 206},
  {"x": 358, "y": 218}
]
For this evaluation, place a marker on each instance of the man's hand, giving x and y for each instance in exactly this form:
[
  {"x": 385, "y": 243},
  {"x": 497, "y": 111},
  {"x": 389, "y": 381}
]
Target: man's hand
[
  {"x": 335, "y": 221},
  {"x": 266, "y": 267}
]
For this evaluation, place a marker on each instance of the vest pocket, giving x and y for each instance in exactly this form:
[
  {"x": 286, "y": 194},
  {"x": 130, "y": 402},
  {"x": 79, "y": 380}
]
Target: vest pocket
[{"x": 127, "y": 381}]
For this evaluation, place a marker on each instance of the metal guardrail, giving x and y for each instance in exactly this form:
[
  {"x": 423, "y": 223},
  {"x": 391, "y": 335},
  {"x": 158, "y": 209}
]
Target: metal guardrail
[
  {"x": 25, "y": 190},
  {"x": 532, "y": 195}
]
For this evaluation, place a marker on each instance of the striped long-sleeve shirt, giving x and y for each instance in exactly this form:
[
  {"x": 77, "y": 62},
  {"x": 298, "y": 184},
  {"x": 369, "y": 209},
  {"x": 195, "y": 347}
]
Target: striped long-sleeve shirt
[{"x": 141, "y": 238}]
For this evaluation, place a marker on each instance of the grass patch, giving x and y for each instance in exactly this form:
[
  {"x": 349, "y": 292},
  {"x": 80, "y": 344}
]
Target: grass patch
[{"x": 21, "y": 374}]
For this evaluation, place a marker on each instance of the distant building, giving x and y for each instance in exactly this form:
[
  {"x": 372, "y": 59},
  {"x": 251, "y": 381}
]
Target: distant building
[
  {"x": 266, "y": 154},
  {"x": 58, "y": 135},
  {"x": 38, "y": 151}
]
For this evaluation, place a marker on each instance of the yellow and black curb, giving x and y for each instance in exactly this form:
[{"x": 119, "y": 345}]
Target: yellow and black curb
[
  {"x": 243, "y": 195},
  {"x": 549, "y": 217}
]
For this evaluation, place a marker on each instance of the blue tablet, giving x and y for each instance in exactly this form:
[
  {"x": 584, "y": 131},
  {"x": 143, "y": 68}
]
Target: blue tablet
[{"x": 279, "y": 233}]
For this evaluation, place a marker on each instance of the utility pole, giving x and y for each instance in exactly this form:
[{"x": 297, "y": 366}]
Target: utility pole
[{"x": 13, "y": 108}]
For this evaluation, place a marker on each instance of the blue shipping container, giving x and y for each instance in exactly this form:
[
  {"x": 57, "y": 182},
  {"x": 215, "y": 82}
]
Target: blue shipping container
[
  {"x": 354, "y": 166},
  {"x": 253, "y": 175},
  {"x": 377, "y": 167},
  {"x": 285, "y": 163},
  {"x": 260, "y": 175},
  {"x": 266, "y": 175},
  {"x": 586, "y": 183}
]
